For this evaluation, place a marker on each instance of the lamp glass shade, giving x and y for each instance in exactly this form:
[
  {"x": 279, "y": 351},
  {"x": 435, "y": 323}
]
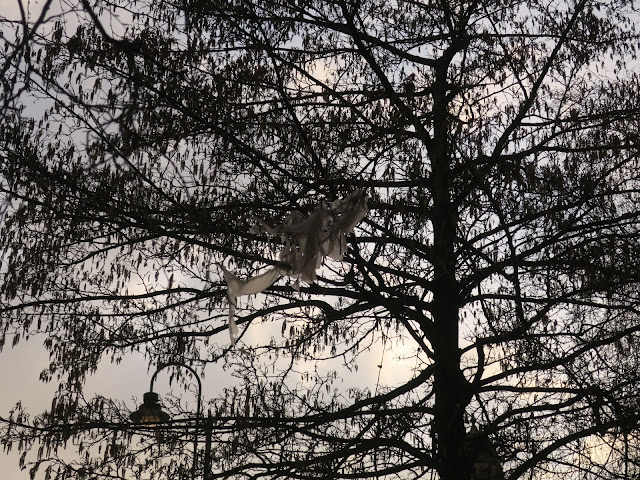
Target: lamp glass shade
[{"x": 150, "y": 412}]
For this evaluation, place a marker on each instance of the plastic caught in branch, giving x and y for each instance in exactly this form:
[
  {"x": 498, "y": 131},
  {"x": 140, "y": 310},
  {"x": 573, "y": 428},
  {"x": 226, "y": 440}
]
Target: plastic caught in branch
[
  {"x": 307, "y": 241},
  {"x": 237, "y": 287}
]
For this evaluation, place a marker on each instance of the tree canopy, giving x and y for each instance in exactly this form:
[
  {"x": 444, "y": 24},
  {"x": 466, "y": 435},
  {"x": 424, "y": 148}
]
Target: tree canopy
[{"x": 145, "y": 144}]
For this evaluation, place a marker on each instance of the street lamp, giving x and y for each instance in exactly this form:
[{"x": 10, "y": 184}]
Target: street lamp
[{"x": 150, "y": 413}]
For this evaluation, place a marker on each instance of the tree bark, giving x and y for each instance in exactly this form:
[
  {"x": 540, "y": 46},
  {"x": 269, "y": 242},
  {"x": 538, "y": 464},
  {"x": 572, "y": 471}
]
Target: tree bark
[{"x": 450, "y": 386}]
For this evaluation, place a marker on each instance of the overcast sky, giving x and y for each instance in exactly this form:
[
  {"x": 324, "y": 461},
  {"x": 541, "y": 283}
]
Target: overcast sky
[{"x": 20, "y": 368}]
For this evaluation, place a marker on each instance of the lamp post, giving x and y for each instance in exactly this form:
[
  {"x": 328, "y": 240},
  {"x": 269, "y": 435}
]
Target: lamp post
[{"x": 150, "y": 413}]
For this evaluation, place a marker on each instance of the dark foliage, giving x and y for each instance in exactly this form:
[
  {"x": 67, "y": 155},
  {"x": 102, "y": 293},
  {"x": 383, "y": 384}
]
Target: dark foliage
[{"x": 498, "y": 143}]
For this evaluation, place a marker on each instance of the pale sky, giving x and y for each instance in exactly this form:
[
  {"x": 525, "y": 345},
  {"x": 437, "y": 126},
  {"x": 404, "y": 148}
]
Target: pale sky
[
  {"x": 10, "y": 8},
  {"x": 20, "y": 368}
]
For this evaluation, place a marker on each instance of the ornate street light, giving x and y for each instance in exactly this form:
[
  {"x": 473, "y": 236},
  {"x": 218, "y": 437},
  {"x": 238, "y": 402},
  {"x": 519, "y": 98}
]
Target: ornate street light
[{"x": 150, "y": 413}]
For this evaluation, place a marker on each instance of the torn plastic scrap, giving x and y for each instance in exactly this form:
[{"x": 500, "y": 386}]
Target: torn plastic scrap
[
  {"x": 237, "y": 287},
  {"x": 307, "y": 241}
]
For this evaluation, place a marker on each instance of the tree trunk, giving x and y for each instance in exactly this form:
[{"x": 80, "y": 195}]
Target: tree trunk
[{"x": 450, "y": 386}]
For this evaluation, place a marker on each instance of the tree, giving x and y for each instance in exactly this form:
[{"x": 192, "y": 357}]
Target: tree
[{"x": 497, "y": 143}]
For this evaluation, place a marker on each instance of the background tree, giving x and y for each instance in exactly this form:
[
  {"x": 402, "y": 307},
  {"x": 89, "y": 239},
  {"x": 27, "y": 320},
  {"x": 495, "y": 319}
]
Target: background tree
[{"x": 498, "y": 145}]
